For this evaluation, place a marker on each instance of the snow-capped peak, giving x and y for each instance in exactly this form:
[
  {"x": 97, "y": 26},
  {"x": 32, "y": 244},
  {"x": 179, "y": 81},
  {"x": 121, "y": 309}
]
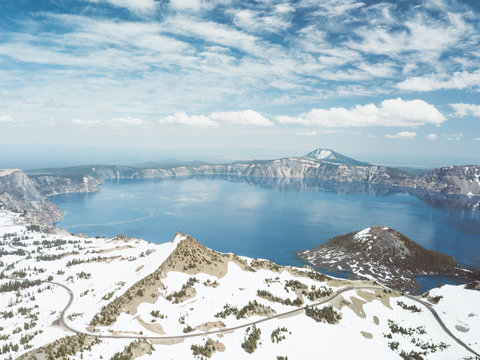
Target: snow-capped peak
[
  {"x": 322, "y": 154},
  {"x": 330, "y": 156}
]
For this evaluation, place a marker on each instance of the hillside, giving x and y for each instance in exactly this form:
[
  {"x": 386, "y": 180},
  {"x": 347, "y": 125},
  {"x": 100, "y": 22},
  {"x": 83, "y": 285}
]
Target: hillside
[
  {"x": 182, "y": 300},
  {"x": 384, "y": 255},
  {"x": 75, "y": 297}
]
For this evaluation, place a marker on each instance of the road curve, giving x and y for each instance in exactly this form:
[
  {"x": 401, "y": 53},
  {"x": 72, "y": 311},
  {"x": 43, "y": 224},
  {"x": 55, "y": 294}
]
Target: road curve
[
  {"x": 442, "y": 324},
  {"x": 62, "y": 323}
]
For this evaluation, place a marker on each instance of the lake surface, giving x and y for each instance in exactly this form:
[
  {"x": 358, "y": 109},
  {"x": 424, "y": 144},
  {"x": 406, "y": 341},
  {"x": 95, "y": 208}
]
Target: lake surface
[{"x": 265, "y": 220}]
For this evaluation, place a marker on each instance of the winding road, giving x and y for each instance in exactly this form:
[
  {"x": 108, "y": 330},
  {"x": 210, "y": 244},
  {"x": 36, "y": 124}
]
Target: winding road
[{"x": 62, "y": 323}]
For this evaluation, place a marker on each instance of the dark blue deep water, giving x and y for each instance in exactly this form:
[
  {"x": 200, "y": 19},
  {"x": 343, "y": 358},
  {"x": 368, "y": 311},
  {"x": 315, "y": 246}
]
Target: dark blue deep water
[{"x": 264, "y": 220}]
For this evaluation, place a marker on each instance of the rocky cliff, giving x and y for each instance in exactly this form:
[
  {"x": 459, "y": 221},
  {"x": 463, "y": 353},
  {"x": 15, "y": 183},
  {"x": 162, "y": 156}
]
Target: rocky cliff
[
  {"x": 53, "y": 185},
  {"x": 461, "y": 180},
  {"x": 27, "y": 195},
  {"x": 320, "y": 164},
  {"x": 20, "y": 194},
  {"x": 451, "y": 180}
]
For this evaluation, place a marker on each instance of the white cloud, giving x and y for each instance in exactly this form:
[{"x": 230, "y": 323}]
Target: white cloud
[
  {"x": 458, "y": 80},
  {"x": 221, "y": 34},
  {"x": 89, "y": 123},
  {"x": 135, "y": 6},
  {"x": 476, "y": 139},
  {"x": 416, "y": 37},
  {"x": 195, "y": 5},
  {"x": 306, "y": 133},
  {"x": 189, "y": 120},
  {"x": 393, "y": 112},
  {"x": 462, "y": 110},
  {"x": 332, "y": 8},
  {"x": 454, "y": 137},
  {"x": 149, "y": 66},
  {"x": 127, "y": 122},
  {"x": 120, "y": 122},
  {"x": 245, "y": 117},
  {"x": 7, "y": 119},
  {"x": 431, "y": 136},
  {"x": 402, "y": 135},
  {"x": 48, "y": 122},
  {"x": 260, "y": 21}
]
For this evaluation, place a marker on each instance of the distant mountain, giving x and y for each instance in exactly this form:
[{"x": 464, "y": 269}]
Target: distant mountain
[
  {"x": 320, "y": 165},
  {"x": 330, "y": 156},
  {"x": 385, "y": 255},
  {"x": 169, "y": 163},
  {"x": 18, "y": 188}
]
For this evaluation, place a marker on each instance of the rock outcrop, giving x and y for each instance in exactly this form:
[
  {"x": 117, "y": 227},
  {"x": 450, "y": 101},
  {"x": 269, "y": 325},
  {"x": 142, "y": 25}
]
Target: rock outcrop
[
  {"x": 27, "y": 195},
  {"x": 19, "y": 193}
]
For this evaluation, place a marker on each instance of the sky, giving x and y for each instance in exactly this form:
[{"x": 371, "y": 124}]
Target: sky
[{"x": 124, "y": 81}]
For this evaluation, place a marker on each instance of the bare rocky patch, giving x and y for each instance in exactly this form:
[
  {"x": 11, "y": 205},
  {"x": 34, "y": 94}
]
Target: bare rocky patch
[
  {"x": 211, "y": 325},
  {"x": 366, "y": 334}
]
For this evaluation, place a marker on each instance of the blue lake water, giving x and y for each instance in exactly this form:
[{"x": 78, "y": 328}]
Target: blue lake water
[{"x": 271, "y": 222}]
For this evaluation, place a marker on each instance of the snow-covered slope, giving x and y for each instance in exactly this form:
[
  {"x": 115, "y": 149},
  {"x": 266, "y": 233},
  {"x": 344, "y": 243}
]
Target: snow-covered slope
[
  {"x": 330, "y": 156},
  {"x": 178, "y": 299}
]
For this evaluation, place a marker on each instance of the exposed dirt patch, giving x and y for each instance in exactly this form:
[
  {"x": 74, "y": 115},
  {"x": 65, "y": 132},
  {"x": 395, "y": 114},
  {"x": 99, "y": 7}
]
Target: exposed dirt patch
[
  {"x": 339, "y": 283},
  {"x": 219, "y": 346},
  {"x": 367, "y": 295},
  {"x": 211, "y": 325},
  {"x": 153, "y": 327},
  {"x": 376, "y": 320},
  {"x": 150, "y": 296},
  {"x": 379, "y": 294},
  {"x": 139, "y": 268},
  {"x": 357, "y": 306},
  {"x": 339, "y": 302},
  {"x": 366, "y": 335}
]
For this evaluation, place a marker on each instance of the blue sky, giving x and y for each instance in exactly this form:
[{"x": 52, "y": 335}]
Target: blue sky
[{"x": 391, "y": 82}]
